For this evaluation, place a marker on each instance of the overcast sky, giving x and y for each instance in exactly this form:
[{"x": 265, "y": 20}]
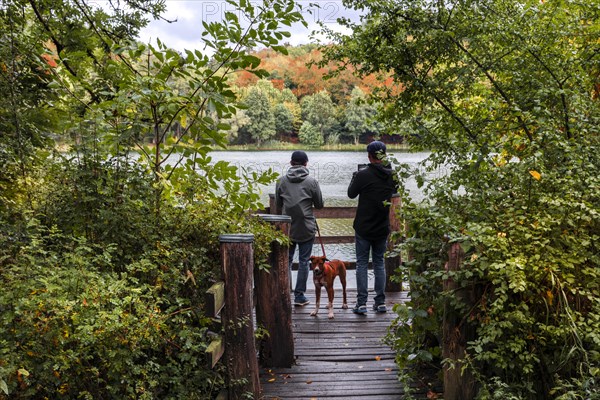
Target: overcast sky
[{"x": 186, "y": 32}]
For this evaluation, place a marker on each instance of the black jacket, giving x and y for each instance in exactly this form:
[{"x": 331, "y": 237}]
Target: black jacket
[{"x": 374, "y": 185}]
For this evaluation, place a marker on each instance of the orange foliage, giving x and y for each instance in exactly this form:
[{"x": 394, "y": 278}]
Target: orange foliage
[
  {"x": 49, "y": 60},
  {"x": 245, "y": 79},
  {"x": 278, "y": 83},
  {"x": 293, "y": 72}
]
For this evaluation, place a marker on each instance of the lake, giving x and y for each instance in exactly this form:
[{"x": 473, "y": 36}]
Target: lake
[{"x": 333, "y": 170}]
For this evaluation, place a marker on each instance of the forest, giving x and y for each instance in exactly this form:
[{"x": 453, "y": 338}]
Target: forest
[
  {"x": 292, "y": 100},
  {"x": 302, "y": 102},
  {"x": 111, "y": 207}
]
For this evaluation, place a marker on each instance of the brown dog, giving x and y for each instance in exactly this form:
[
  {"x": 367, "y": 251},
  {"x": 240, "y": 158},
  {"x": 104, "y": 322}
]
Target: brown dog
[{"x": 324, "y": 273}]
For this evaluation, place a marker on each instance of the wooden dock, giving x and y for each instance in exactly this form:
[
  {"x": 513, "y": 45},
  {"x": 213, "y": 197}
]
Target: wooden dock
[{"x": 342, "y": 358}]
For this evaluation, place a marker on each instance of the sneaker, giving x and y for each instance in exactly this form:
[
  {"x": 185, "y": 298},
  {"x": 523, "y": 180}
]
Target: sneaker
[
  {"x": 380, "y": 308},
  {"x": 359, "y": 309},
  {"x": 301, "y": 301}
]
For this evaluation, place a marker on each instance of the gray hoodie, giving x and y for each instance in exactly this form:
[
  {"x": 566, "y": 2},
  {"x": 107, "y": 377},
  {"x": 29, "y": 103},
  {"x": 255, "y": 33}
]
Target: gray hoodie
[{"x": 296, "y": 193}]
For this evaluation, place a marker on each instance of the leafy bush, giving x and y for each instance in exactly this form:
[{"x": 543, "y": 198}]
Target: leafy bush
[
  {"x": 505, "y": 96},
  {"x": 73, "y": 328},
  {"x": 115, "y": 309},
  {"x": 105, "y": 254}
]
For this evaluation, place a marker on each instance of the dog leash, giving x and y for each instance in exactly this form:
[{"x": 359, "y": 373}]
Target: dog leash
[{"x": 320, "y": 239}]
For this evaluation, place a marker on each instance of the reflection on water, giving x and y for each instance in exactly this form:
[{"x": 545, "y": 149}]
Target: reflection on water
[{"x": 333, "y": 170}]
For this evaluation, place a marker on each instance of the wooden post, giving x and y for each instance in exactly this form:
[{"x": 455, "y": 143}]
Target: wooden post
[
  {"x": 273, "y": 205},
  {"x": 274, "y": 305},
  {"x": 274, "y": 210},
  {"x": 392, "y": 263},
  {"x": 237, "y": 262},
  {"x": 456, "y": 333}
]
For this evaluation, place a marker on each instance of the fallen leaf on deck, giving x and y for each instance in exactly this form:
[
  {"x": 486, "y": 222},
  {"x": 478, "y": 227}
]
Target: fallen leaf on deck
[
  {"x": 377, "y": 358},
  {"x": 271, "y": 380},
  {"x": 388, "y": 369},
  {"x": 432, "y": 395},
  {"x": 308, "y": 382}
]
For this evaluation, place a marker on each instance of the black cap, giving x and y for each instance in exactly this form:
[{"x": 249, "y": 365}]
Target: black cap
[
  {"x": 299, "y": 157},
  {"x": 376, "y": 147}
]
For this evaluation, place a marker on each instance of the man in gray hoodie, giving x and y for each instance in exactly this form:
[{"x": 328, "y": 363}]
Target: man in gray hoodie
[{"x": 295, "y": 194}]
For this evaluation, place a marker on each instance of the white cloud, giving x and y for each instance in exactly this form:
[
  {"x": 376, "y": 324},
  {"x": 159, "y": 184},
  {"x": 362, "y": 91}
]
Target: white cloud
[{"x": 186, "y": 32}]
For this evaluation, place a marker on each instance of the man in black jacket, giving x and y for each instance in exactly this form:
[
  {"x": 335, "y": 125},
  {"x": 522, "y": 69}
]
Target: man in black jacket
[
  {"x": 375, "y": 186},
  {"x": 296, "y": 193}
]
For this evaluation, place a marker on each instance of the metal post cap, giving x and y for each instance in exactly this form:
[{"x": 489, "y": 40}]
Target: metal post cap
[
  {"x": 275, "y": 217},
  {"x": 236, "y": 238}
]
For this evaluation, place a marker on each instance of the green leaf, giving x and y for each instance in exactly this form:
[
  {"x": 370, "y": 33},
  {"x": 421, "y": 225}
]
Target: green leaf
[{"x": 281, "y": 49}]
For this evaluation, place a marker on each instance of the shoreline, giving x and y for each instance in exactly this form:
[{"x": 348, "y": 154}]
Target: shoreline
[{"x": 65, "y": 147}]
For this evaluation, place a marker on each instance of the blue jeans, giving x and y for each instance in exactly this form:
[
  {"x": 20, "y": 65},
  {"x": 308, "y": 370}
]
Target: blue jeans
[
  {"x": 377, "y": 249},
  {"x": 304, "y": 252}
]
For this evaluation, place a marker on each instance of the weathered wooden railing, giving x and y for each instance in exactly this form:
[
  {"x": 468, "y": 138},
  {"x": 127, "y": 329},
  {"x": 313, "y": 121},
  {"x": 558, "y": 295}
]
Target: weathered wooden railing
[
  {"x": 391, "y": 262},
  {"x": 231, "y": 302},
  {"x": 459, "y": 382}
]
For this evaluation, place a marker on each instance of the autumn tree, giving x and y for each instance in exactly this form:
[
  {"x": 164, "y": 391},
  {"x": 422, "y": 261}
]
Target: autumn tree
[
  {"x": 272, "y": 93},
  {"x": 290, "y": 101},
  {"x": 298, "y": 72},
  {"x": 287, "y": 96}
]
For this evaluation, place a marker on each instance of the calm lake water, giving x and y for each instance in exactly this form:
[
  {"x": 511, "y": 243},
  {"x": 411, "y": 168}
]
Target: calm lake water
[{"x": 333, "y": 170}]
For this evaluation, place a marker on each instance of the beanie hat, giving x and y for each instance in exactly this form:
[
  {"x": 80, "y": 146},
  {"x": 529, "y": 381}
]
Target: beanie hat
[{"x": 299, "y": 157}]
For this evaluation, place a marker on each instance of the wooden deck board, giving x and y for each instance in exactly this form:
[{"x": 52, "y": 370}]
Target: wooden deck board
[{"x": 339, "y": 358}]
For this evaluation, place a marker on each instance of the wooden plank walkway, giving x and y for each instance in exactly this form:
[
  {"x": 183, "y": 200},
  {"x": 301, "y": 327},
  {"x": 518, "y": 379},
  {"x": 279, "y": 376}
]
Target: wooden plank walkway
[{"x": 339, "y": 358}]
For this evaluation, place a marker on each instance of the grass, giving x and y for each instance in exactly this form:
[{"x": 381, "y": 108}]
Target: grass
[
  {"x": 64, "y": 147},
  {"x": 298, "y": 146}
]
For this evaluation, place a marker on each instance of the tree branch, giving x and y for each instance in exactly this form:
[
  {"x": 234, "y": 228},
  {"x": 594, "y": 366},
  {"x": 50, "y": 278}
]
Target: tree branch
[
  {"x": 560, "y": 84},
  {"x": 59, "y": 48},
  {"x": 494, "y": 83}
]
